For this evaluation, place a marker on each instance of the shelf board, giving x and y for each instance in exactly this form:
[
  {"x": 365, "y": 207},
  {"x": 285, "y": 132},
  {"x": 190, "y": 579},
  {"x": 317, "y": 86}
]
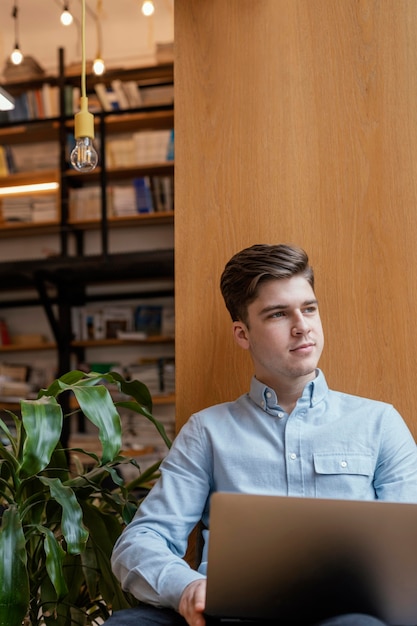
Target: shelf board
[
  {"x": 105, "y": 343},
  {"x": 89, "y": 343},
  {"x": 98, "y": 269},
  {"x": 27, "y": 229},
  {"x": 115, "y": 173},
  {"x": 28, "y": 131},
  {"x": 144, "y": 219},
  {"x": 30, "y": 178},
  {"x": 28, "y": 347}
]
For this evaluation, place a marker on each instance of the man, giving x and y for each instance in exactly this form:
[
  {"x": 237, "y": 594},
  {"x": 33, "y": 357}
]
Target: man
[{"x": 277, "y": 439}]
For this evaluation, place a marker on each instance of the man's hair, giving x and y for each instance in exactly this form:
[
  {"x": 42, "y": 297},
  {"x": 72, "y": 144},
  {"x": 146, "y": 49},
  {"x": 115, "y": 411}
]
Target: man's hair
[{"x": 251, "y": 267}]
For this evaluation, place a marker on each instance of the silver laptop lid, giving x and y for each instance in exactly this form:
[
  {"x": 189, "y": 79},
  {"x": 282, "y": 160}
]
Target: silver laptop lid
[{"x": 273, "y": 557}]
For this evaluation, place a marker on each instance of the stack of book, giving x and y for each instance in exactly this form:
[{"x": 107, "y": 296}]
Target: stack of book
[
  {"x": 36, "y": 209},
  {"x": 30, "y": 157},
  {"x": 124, "y": 95},
  {"x": 85, "y": 203},
  {"x": 141, "y": 148}
]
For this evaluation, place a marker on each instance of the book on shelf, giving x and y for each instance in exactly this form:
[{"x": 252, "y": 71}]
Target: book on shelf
[
  {"x": 120, "y": 94},
  {"x": 158, "y": 374},
  {"x": 90, "y": 323},
  {"x": 5, "y": 339},
  {"x": 140, "y": 148},
  {"x": 143, "y": 194},
  {"x": 33, "y": 104},
  {"x": 122, "y": 322},
  {"x": 148, "y": 319},
  {"x": 35, "y": 209},
  {"x": 157, "y": 94},
  {"x": 32, "y": 156},
  {"x": 85, "y": 203},
  {"x": 124, "y": 200}
]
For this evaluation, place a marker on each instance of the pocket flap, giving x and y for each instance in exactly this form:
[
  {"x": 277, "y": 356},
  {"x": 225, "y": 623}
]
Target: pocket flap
[{"x": 343, "y": 463}]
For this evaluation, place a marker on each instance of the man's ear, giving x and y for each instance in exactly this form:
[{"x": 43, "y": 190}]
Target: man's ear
[{"x": 241, "y": 334}]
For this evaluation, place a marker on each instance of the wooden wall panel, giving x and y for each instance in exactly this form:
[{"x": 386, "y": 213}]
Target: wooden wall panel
[{"x": 296, "y": 121}]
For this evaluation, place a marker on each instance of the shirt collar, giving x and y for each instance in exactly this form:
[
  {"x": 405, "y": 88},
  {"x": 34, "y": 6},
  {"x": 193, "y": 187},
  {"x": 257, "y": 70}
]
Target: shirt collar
[{"x": 266, "y": 398}]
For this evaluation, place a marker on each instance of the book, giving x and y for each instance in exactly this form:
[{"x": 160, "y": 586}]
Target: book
[
  {"x": 133, "y": 94},
  {"x": 143, "y": 195},
  {"x": 120, "y": 95},
  {"x": 148, "y": 319}
]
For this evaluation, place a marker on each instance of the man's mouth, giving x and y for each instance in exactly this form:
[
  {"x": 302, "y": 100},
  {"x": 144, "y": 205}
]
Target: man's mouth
[{"x": 304, "y": 347}]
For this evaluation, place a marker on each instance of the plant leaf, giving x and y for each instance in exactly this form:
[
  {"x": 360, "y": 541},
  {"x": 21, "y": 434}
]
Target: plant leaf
[
  {"x": 73, "y": 529},
  {"x": 134, "y": 388},
  {"x": 55, "y": 556},
  {"x": 14, "y": 588},
  {"x": 42, "y": 420},
  {"x": 97, "y": 405}
]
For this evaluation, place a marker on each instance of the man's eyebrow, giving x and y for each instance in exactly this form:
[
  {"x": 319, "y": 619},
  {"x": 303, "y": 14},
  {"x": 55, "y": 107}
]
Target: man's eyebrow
[{"x": 283, "y": 307}]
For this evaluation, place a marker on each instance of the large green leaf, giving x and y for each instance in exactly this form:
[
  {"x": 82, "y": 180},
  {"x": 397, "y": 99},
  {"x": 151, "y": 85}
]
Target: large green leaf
[
  {"x": 97, "y": 405},
  {"x": 14, "y": 586},
  {"x": 42, "y": 420},
  {"x": 73, "y": 529},
  {"x": 55, "y": 556},
  {"x": 60, "y": 384},
  {"x": 134, "y": 388}
]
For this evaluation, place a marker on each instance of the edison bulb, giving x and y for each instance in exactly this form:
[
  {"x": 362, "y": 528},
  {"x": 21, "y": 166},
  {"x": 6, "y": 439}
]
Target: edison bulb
[
  {"x": 98, "y": 66},
  {"x": 16, "y": 56},
  {"x": 148, "y": 7},
  {"x": 66, "y": 17},
  {"x": 84, "y": 157}
]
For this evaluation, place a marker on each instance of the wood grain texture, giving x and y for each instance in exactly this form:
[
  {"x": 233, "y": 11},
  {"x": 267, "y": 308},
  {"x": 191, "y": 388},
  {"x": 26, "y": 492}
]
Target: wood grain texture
[{"x": 296, "y": 121}]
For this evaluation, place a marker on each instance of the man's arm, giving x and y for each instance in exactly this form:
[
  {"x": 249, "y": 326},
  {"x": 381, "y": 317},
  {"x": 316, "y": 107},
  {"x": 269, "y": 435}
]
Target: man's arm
[
  {"x": 193, "y": 602},
  {"x": 148, "y": 556}
]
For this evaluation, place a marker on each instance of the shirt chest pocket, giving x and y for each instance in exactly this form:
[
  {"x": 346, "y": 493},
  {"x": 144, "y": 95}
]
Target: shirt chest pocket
[{"x": 343, "y": 475}]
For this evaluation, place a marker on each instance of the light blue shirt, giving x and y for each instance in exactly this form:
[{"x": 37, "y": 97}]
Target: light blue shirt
[{"x": 332, "y": 445}]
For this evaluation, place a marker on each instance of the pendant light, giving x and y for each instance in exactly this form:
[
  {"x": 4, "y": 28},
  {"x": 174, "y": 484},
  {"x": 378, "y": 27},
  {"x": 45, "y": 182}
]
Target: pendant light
[
  {"x": 84, "y": 156},
  {"x": 148, "y": 8},
  {"x": 98, "y": 63},
  {"x": 16, "y": 56},
  {"x": 66, "y": 15}
]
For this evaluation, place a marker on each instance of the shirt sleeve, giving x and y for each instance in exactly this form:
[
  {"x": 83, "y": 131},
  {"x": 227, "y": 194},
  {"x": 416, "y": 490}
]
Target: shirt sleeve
[
  {"x": 148, "y": 556},
  {"x": 395, "y": 477}
]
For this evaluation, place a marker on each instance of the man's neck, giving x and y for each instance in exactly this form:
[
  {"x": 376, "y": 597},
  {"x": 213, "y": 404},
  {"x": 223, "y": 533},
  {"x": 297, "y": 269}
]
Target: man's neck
[{"x": 289, "y": 391}]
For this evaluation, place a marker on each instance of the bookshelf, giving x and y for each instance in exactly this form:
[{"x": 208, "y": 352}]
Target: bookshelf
[{"x": 48, "y": 267}]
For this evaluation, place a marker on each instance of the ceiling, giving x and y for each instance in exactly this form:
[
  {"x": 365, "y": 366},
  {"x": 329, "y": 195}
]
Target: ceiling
[{"x": 128, "y": 37}]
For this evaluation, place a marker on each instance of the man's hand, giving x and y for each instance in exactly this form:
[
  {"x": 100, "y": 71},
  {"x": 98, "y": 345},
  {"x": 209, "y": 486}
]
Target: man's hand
[{"x": 193, "y": 602}]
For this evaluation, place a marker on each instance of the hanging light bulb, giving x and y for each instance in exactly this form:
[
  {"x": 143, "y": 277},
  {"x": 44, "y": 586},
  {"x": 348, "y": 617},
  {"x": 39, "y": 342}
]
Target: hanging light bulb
[
  {"x": 84, "y": 156},
  {"x": 98, "y": 64},
  {"x": 148, "y": 8},
  {"x": 16, "y": 56},
  {"x": 66, "y": 16}
]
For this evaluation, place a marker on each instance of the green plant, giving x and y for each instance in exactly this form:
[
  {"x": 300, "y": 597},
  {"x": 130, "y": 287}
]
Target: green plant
[{"x": 58, "y": 527}]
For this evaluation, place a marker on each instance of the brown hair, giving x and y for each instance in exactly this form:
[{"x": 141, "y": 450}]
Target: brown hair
[{"x": 253, "y": 266}]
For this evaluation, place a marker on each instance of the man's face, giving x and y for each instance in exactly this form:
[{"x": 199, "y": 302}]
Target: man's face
[{"x": 284, "y": 333}]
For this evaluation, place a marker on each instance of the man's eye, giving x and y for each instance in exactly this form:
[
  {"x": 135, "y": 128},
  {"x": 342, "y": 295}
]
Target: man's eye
[
  {"x": 278, "y": 314},
  {"x": 310, "y": 309}
]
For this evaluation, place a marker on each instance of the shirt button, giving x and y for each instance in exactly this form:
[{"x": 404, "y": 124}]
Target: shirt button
[
  {"x": 293, "y": 456},
  {"x": 343, "y": 463},
  {"x": 268, "y": 394},
  {"x": 262, "y": 404},
  {"x": 281, "y": 414}
]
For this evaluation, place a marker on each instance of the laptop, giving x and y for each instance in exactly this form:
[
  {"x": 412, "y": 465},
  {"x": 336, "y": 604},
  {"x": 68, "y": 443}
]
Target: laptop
[{"x": 305, "y": 559}]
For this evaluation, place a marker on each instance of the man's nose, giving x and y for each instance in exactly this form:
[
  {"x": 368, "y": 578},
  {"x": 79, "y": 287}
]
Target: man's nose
[{"x": 301, "y": 325}]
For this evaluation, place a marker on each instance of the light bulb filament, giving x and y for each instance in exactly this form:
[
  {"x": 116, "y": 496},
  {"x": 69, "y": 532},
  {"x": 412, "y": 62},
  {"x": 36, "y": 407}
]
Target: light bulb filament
[{"x": 84, "y": 156}]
